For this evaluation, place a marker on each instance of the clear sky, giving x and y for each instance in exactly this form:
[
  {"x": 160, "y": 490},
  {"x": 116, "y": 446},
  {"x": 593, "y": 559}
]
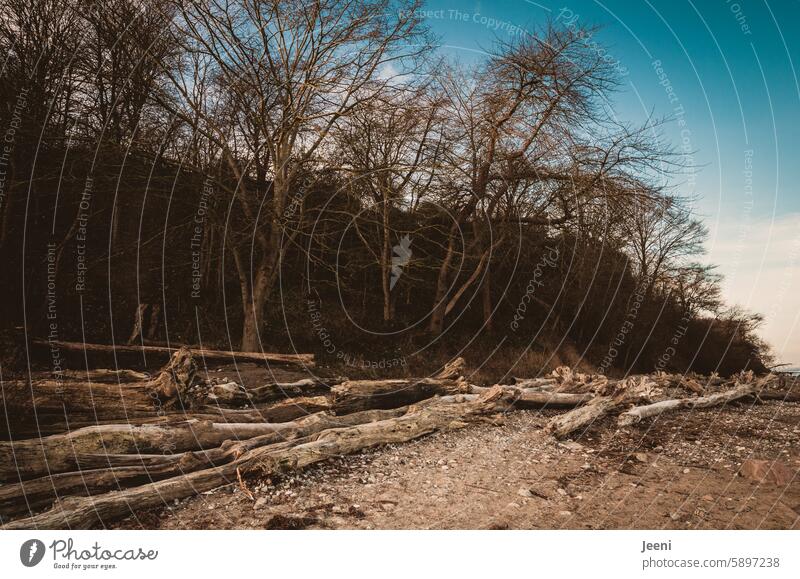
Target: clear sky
[{"x": 728, "y": 70}]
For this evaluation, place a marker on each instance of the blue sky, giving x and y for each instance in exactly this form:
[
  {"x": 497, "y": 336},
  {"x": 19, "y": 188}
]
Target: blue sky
[{"x": 731, "y": 70}]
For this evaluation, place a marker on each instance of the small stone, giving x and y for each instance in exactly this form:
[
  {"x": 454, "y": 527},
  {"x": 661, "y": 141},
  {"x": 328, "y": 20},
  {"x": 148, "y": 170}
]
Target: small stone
[
  {"x": 523, "y": 492},
  {"x": 564, "y": 513},
  {"x": 513, "y": 505},
  {"x": 641, "y": 456},
  {"x": 261, "y": 502},
  {"x": 708, "y": 498},
  {"x": 562, "y": 492},
  {"x": 571, "y": 445},
  {"x": 686, "y": 471}
]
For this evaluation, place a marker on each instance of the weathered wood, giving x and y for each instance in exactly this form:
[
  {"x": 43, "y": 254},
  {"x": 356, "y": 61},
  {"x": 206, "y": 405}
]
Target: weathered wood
[
  {"x": 639, "y": 413},
  {"x": 86, "y": 512},
  {"x": 23, "y": 399},
  {"x": 780, "y": 395},
  {"x": 275, "y": 392},
  {"x": 356, "y": 395},
  {"x": 535, "y": 398},
  {"x": 537, "y": 383},
  {"x": 174, "y": 380},
  {"x": 58, "y": 405},
  {"x": 107, "y": 471},
  {"x": 567, "y": 380},
  {"x": 105, "y": 375},
  {"x": 304, "y": 360},
  {"x": 452, "y": 370},
  {"x": 24, "y": 459},
  {"x": 622, "y": 393}
]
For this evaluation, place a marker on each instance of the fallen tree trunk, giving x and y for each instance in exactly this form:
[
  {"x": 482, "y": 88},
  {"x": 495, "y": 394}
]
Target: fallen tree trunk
[
  {"x": 85, "y": 512},
  {"x": 356, "y": 395},
  {"x": 105, "y": 375},
  {"x": 639, "y": 413},
  {"x": 780, "y": 395},
  {"x": 283, "y": 390},
  {"x": 24, "y": 459},
  {"x": 21, "y": 398},
  {"x": 535, "y": 398},
  {"x": 59, "y": 405},
  {"x": 105, "y": 471},
  {"x": 207, "y": 427},
  {"x": 537, "y": 383},
  {"x": 304, "y": 360},
  {"x": 623, "y": 392}
]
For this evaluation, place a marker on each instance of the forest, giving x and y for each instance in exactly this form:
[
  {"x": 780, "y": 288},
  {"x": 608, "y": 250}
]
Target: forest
[{"x": 289, "y": 176}]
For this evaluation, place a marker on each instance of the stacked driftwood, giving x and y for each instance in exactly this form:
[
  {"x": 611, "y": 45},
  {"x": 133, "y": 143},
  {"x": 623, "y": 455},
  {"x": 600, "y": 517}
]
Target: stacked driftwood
[{"x": 93, "y": 447}]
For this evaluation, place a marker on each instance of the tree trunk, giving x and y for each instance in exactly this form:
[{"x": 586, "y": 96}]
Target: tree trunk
[
  {"x": 386, "y": 263},
  {"x": 356, "y": 395},
  {"x": 639, "y": 413},
  {"x": 86, "y": 512},
  {"x": 486, "y": 301},
  {"x": 440, "y": 297},
  {"x": 624, "y": 392}
]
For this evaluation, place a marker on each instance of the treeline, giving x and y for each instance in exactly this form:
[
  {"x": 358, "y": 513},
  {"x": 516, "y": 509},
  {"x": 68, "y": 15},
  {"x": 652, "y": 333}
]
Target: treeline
[{"x": 315, "y": 175}]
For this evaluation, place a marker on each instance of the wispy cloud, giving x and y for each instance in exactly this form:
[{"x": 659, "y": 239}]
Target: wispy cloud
[{"x": 760, "y": 260}]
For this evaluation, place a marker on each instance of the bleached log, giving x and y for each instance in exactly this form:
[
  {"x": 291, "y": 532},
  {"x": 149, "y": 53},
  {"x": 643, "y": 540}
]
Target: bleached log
[
  {"x": 531, "y": 398},
  {"x": 355, "y": 395},
  {"x": 304, "y": 360},
  {"x": 622, "y": 393},
  {"x": 86, "y": 512},
  {"x": 283, "y": 390},
  {"x": 639, "y": 413},
  {"x": 780, "y": 395},
  {"x": 537, "y": 383},
  {"x": 45, "y": 407},
  {"x": 103, "y": 472},
  {"x": 105, "y": 375},
  {"x": 25, "y": 459}
]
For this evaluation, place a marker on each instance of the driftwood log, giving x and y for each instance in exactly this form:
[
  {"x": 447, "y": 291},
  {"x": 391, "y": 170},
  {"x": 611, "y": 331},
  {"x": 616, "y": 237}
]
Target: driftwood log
[
  {"x": 303, "y": 360},
  {"x": 639, "y": 413},
  {"x": 45, "y": 407},
  {"x": 536, "y": 398},
  {"x": 621, "y": 393},
  {"x": 151, "y": 440},
  {"x": 104, "y": 471},
  {"x": 86, "y": 512}
]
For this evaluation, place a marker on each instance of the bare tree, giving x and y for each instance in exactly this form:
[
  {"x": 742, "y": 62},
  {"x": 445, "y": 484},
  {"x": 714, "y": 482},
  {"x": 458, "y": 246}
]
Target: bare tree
[
  {"x": 286, "y": 72},
  {"x": 390, "y": 147},
  {"x": 535, "y": 145},
  {"x": 662, "y": 237}
]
